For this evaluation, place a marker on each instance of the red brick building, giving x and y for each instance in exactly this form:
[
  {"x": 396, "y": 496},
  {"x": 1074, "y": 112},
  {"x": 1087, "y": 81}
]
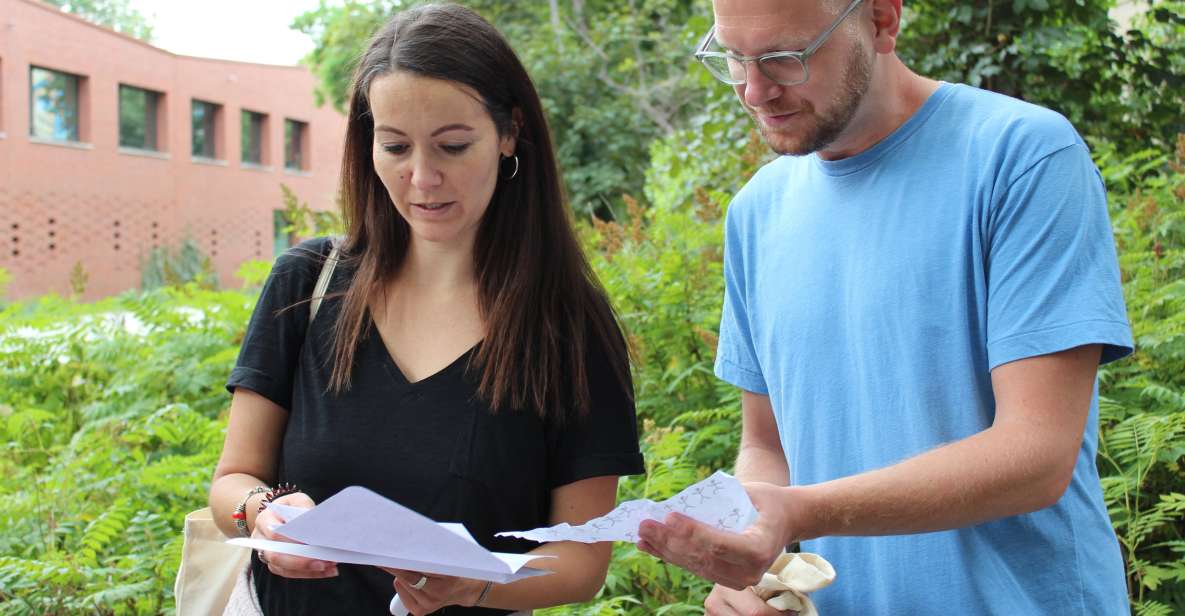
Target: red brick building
[{"x": 110, "y": 147}]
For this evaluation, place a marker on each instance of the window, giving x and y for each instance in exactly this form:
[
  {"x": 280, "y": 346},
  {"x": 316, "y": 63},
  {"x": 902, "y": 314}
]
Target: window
[
  {"x": 282, "y": 238},
  {"x": 254, "y": 133},
  {"x": 54, "y": 105},
  {"x": 205, "y": 125},
  {"x": 295, "y": 138},
  {"x": 138, "y": 114}
]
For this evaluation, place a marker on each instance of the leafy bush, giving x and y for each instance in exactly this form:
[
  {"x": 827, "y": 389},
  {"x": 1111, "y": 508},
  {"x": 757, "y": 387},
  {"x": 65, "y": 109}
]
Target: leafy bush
[
  {"x": 164, "y": 266},
  {"x": 1142, "y": 403},
  {"x": 110, "y": 423}
]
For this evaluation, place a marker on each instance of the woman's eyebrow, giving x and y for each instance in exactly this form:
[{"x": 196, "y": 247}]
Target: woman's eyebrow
[
  {"x": 383, "y": 128},
  {"x": 446, "y": 128}
]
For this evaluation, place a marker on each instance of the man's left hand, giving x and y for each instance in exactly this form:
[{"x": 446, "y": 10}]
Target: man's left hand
[{"x": 729, "y": 559}]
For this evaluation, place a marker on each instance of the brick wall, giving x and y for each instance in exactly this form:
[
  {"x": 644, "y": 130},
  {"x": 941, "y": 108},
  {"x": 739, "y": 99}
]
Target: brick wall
[{"x": 106, "y": 207}]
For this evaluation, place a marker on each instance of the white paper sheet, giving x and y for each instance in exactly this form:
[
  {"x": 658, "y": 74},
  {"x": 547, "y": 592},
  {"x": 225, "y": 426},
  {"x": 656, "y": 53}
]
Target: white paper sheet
[
  {"x": 358, "y": 526},
  {"x": 718, "y": 501}
]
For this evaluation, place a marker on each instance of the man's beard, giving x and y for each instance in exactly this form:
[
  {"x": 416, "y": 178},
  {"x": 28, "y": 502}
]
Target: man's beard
[{"x": 857, "y": 76}]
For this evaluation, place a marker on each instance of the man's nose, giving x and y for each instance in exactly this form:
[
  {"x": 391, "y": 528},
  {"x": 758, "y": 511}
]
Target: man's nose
[{"x": 758, "y": 89}]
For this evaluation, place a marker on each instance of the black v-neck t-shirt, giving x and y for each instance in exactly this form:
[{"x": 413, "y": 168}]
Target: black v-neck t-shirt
[{"x": 432, "y": 446}]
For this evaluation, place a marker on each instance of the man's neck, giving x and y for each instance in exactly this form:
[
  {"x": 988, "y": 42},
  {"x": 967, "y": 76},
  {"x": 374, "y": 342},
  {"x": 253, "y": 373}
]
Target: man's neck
[{"x": 894, "y": 95}]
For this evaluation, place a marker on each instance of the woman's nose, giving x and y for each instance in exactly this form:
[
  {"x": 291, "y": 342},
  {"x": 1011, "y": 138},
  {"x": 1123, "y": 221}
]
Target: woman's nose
[{"x": 425, "y": 174}]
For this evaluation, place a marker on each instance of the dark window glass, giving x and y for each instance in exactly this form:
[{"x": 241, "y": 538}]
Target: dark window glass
[
  {"x": 252, "y": 138},
  {"x": 204, "y": 115},
  {"x": 294, "y": 136},
  {"x": 137, "y": 118}
]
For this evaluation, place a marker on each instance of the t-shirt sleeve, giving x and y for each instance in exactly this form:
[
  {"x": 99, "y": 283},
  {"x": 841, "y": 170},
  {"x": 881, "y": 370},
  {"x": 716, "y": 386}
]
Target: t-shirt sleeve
[
  {"x": 736, "y": 358},
  {"x": 271, "y": 347},
  {"x": 1053, "y": 275},
  {"x": 605, "y": 440}
]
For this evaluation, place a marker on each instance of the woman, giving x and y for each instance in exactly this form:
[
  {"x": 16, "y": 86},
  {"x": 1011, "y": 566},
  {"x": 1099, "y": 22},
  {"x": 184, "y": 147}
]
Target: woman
[{"x": 464, "y": 362}]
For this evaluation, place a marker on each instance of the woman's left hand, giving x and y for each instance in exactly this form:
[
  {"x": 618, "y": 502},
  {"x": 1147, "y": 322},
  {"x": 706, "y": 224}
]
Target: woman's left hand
[{"x": 435, "y": 592}]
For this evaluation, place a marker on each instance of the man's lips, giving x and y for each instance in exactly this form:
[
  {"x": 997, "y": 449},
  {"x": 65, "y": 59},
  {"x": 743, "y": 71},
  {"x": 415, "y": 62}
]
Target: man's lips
[{"x": 776, "y": 118}]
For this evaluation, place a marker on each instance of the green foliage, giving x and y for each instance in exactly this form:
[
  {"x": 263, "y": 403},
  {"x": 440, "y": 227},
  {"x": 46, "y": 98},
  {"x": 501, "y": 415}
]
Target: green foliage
[
  {"x": 613, "y": 76},
  {"x": 1125, "y": 86},
  {"x": 110, "y": 423},
  {"x": 1142, "y": 402},
  {"x": 166, "y": 267},
  {"x": 78, "y": 279},
  {"x": 253, "y": 272},
  {"x": 118, "y": 15},
  {"x": 636, "y": 83},
  {"x": 303, "y": 221},
  {"x": 341, "y": 32},
  {"x": 5, "y": 280}
]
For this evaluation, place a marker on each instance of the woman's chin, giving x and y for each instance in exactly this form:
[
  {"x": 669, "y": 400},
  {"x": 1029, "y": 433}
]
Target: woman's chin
[{"x": 439, "y": 235}]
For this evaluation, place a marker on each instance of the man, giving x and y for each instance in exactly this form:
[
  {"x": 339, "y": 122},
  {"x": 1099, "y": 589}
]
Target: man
[{"x": 918, "y": 295}]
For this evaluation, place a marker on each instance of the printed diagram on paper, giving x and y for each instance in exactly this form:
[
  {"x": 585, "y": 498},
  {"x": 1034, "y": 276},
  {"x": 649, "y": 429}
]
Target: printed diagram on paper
[{"x": 718, "y": 501}]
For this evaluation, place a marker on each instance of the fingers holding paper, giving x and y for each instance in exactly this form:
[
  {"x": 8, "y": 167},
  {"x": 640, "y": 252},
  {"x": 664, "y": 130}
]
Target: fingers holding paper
[
  {"x": 287, "y": 565},
  {"x": 735, "y": 560},
  {"x": 423, "y": 594}
]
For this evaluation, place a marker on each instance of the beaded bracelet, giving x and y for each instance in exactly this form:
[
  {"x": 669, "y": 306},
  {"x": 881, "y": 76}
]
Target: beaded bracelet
[
  {"x": 283, "y": 489},
  {"x": 240, "y": 513}
]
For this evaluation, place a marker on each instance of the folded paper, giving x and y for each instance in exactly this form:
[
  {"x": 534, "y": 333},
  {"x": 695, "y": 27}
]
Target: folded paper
[
  {"x": 361, "y": 527},
  {"x": 717, "y": 501}
]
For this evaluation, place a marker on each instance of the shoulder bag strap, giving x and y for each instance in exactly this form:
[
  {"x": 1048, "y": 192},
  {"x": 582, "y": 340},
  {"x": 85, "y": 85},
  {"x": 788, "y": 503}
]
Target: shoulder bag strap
[{"x": 323, "y": 279}]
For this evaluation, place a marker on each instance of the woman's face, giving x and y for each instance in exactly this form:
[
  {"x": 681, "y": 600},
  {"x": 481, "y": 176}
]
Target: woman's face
[{"x": 436, "y": 150}]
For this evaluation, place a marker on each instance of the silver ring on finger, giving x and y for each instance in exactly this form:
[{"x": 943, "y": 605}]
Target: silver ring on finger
[
  {"x": 259, "y": 555},
  {"x": 420, "y": 583}
]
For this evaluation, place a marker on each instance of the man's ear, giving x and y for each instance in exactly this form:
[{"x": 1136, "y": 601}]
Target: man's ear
[{"x": 886, "y": 17}]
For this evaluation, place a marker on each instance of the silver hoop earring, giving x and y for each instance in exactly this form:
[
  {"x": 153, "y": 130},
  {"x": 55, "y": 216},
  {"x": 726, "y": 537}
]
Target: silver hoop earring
[{"x": 514, "y": 173}]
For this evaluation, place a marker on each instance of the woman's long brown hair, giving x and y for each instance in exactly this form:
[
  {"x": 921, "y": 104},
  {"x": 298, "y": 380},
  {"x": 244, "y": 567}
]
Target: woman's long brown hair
[{"x": 539, "y": 299}]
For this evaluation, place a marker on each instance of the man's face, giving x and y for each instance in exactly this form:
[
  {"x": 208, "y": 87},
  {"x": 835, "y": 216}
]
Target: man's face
[{"x": 797, "y": 120}]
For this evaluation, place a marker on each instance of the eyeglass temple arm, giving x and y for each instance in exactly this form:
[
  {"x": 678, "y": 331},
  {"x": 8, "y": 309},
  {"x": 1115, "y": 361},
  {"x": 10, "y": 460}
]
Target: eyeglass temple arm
[
  {"x": 822, "y": 38},
  {"x": 707, "y": 40}
]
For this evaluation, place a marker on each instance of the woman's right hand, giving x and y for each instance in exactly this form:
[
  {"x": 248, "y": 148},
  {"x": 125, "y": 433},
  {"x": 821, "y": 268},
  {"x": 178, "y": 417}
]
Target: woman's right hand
[{"x": 288, "y": 565}]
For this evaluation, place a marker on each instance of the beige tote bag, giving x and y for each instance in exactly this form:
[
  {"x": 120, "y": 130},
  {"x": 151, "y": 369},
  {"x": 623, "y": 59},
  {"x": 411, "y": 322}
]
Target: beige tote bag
[{"x": 209, "y": 567}]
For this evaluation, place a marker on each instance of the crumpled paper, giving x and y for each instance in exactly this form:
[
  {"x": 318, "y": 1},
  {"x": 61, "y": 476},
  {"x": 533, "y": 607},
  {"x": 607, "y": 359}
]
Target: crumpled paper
[{"x": 791, "y": 578}]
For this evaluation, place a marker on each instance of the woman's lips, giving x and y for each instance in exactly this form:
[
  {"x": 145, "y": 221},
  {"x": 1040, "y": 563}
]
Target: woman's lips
[{"x": 433, "y": 210}]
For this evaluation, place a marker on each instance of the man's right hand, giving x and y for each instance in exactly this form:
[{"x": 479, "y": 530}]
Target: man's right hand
[
  {"x": 288, "y": 565},
  {"x": 724, "y": 601}
]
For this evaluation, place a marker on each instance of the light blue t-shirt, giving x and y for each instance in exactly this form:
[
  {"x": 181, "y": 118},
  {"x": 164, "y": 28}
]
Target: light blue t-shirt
[{"x": 871, "y": 297}]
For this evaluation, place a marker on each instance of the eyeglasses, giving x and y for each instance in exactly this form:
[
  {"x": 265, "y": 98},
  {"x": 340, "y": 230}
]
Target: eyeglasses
[{"x": 787, "y": 68}]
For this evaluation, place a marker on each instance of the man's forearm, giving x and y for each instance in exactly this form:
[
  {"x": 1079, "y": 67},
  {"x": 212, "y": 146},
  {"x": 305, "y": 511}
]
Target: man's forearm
[{"x": 990, "y": 475}]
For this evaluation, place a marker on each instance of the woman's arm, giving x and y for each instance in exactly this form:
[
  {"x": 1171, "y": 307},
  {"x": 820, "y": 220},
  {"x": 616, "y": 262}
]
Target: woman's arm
[
  {"x": 248, "y": 460},
  {"x": 579, "y": 568}
]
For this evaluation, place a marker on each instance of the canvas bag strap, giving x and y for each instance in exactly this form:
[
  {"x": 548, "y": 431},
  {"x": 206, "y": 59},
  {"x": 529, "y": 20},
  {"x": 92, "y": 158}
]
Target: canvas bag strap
[{"x": 323, "y": 279}]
